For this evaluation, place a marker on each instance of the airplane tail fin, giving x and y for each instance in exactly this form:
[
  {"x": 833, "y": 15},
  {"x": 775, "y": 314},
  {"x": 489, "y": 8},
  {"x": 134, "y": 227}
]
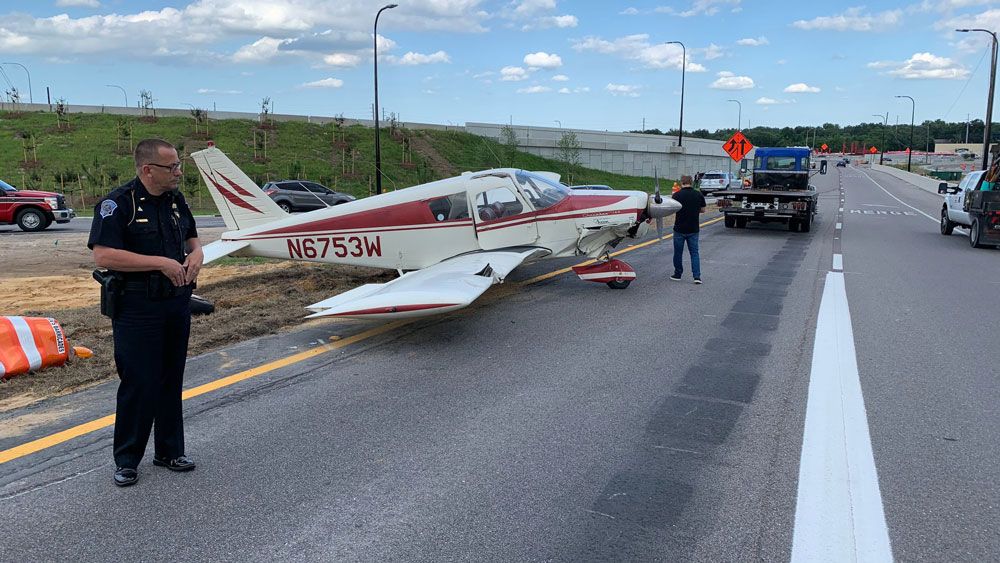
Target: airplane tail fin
[{"x": 241, "y": 203}]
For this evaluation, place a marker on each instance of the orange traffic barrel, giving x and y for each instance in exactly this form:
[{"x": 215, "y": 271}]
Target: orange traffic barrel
[{"x": 30, "y": 344}]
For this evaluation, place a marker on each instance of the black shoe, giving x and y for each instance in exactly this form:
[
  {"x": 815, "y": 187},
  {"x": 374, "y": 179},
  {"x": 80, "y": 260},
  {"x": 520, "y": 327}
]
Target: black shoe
[
  {"x": 697, "y": 281},
  {"x": 676, "y": 277},
  {"x": 125, "y": 476},
  {"x": 180, "y": 463}
]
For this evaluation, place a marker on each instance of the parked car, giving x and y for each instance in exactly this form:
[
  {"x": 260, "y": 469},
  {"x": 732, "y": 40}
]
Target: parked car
[
  {"x": 303, "y": 195},
  {"x": 842, "y": 163},
  {"x": 32, "y": 210},
  {"x": 715, "y": 180}
]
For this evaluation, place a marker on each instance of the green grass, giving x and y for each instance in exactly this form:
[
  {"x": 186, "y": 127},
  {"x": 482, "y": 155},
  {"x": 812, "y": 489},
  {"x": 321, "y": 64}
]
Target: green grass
[{"x": 87, "y": 158}]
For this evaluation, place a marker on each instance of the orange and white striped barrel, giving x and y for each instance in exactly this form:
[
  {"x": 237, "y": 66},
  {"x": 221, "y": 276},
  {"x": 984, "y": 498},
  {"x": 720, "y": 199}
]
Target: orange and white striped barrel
[{"x": 29, "y": 344}]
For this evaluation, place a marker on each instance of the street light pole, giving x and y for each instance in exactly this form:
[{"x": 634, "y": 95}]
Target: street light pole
[
  {"x": 739, "y": 118},
  {"x": 559, "y": 123},
  {"x": 885, "y": 123},
  {"x": 680, "y": 128},
  {"x": 31, "y": 99},
  {"x": 120, "y": 88},
  {"x": 909, "y": 151},
  {"x": 378, "y": 148},
  {"x": 988, "y": 132}
]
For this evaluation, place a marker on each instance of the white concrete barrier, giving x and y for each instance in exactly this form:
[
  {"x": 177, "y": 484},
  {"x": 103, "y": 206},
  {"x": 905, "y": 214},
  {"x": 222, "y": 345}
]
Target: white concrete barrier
[{"x": 922, "y": 182}]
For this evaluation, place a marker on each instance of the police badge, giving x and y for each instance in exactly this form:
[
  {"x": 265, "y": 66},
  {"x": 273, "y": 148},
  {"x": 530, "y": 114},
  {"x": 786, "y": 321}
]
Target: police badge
[{"x": 108, "y": 207}]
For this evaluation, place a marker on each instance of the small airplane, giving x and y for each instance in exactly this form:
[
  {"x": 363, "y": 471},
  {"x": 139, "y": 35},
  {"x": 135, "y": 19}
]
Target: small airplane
[{"x": 450, "y": 240}]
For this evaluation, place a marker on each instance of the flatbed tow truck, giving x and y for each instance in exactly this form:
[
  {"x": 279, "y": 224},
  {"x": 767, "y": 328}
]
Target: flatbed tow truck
[
  {"x": 780, "y": 192},
  {"x": 975, "y": 205}
]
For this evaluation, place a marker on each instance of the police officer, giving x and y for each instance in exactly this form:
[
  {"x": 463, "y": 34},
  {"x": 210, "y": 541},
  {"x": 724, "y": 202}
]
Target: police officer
[{"x": 145, "y": 233}]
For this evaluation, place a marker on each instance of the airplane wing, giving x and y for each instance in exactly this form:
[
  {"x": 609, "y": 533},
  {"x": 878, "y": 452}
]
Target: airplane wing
[
  {"x": 445, "y": 286},
  {"x": 221, "y": 248}
]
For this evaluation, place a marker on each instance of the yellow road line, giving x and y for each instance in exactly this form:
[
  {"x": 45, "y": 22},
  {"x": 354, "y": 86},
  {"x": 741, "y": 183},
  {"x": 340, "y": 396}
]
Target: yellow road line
[{"x": 46, "y": 442}]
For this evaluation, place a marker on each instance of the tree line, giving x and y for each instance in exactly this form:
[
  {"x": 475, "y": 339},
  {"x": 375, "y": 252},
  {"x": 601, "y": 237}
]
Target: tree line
[{"x": 896, "y": 137}]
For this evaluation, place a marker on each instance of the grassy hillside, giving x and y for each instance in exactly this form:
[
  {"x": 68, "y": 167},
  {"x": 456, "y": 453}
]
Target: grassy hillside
[{"x": 87, "y": 155}]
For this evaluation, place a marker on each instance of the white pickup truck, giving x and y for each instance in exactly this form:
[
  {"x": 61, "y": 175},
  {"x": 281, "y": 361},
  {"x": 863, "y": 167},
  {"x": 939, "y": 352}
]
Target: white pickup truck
[{"x": 968, "y": 206}]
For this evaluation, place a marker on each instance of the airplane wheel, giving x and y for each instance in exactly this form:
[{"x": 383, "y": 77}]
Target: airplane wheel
[
  {"x": 619, "y": 284},
  {"x": 730, "y": 222}
]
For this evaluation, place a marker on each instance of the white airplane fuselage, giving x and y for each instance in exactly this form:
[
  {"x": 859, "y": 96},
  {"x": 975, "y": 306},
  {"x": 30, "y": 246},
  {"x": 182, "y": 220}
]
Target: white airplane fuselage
[{"x": 423, "y": 225}]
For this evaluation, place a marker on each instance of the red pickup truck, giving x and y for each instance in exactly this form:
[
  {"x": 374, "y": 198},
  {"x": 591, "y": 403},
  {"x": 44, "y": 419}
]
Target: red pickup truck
[{"x": 30, "y": 210}]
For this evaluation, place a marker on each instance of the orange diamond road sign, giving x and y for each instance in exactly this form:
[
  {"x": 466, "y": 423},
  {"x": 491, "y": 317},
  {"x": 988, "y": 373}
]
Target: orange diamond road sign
[
  {"x": 873, "y": 150},
  {"x": 737, "y": 146},
  {"x": 824, "y": 147}
]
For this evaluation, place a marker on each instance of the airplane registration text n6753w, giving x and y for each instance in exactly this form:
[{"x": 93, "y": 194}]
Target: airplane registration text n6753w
[{"x": 450, "y": 240}]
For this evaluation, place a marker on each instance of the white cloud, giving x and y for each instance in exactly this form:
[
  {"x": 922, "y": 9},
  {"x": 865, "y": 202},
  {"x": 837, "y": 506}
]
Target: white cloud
[
  {"x": 638, "y": 48},
  {"x": 972, "y": 42},
  {"x": 260, "y": 51},
  {"x": 226, "y": 92},
  {"x": 560, "y": 78},
  {"x": 531, "y": 7},
  {"x": 701, "y": 7},
  {"x": 534, "y": 90},
  {"x": 853, "y": 19},
  {"x": 923, "y": 66},
  {"x": 728, "y": 81},
  {"x": 801, "y": 88},
  {"x": 551, "y": 21},
  {"x": 574, "y": 90},
  {"x": 513, "y": 74},
  {"x": 324, "y": 83},
  {"x": 412, "y": 59},
  {"x": 542, "y": 59},
  {"x": 342, "y": 59},
  {"x": 753, "y": 42},
  {"x": 627, "y": 90},
  {"x": 711, "y": 52},
  {"x": 765, "y": 101},
  {"x": 629, "y": 12},
  {"x": 78, "y": 3}
]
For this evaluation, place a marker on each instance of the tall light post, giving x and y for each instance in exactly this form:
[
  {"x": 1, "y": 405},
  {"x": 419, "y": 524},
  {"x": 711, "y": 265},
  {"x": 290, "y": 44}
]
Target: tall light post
[
  {"x": 120, "y": 88},
  {"x": 559, "y": 123},
  {"x": 739, "y": 118},
  {"x": 680, "y": 128},
  {"x": 909, "y": 151},
  {"x": 989, "y": 101},
  {"x": 378, "y": 148},
  {"x": 885, "y": 123},
  {"x": 31, "y": 99}
]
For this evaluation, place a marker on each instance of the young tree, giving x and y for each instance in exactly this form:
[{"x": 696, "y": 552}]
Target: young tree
[
  {"x": 508, "y": 137},
  {"x": 569, "y": 149}
]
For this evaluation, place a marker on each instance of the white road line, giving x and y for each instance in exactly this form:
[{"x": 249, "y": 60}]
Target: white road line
[
  {"x": 936, "y": 220},
  {"x": 838, "y": 262},
  {"x": 838, "y": 512}
]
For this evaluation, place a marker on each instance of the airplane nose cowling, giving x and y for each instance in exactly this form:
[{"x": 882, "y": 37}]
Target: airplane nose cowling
[{"x": 666, "y": 207}]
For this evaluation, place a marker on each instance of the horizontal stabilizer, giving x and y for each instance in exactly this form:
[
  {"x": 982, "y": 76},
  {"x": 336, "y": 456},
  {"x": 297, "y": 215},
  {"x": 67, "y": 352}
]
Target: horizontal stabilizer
[
  {"x": 221, "y": 248},
  {"x": 443, "y": 287}
]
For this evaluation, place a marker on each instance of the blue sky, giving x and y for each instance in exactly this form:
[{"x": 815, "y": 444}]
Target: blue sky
[{"x": 580, "y": 64}]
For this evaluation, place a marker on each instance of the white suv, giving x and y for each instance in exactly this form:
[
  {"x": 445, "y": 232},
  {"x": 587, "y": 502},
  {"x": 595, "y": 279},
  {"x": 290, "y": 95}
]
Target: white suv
[{"x": 715, "y": 180}]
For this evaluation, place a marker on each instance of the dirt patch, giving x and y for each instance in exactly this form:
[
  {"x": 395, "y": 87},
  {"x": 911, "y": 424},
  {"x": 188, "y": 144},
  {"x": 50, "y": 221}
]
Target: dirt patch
[
  {"x": 441, "y": 166},
  {"x": 20, "y": 425}
]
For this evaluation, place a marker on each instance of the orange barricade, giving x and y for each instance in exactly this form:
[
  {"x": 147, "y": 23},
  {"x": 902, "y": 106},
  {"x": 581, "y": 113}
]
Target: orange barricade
[{"x": 29, "y": 344}]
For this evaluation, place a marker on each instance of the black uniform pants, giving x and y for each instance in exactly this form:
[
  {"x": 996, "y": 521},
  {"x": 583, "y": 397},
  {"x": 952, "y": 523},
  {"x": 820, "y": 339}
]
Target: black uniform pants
[{"x": 151, "y": 339}]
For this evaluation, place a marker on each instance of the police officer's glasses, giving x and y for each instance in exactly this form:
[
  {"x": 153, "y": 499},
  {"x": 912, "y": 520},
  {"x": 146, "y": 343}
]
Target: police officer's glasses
[{"x": 171, "y": 167}]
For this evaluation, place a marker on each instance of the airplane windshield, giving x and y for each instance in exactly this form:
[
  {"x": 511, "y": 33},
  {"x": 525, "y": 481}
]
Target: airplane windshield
[{"x": 541, "y": 191}]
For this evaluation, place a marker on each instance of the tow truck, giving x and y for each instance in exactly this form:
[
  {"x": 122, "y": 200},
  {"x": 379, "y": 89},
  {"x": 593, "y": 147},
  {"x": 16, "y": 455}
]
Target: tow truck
[
  {"x": 975, "y": 205},
  {"x": 780, "y": 191}
]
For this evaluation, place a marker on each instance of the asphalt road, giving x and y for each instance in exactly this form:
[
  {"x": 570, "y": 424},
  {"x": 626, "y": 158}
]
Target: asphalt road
[{"x": 560, "y": 420}]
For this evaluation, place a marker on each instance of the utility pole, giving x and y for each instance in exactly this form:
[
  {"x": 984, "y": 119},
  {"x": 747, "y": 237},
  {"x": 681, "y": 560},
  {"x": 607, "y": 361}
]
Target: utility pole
[{"x": 988, "y": 132}]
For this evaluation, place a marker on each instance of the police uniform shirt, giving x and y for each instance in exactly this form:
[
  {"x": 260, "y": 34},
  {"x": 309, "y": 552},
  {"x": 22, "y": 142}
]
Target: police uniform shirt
[{"x": 131, "y": 219}]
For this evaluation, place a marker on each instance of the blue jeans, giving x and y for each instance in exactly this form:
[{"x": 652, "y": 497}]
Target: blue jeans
[{"x": 692, "y": 242}]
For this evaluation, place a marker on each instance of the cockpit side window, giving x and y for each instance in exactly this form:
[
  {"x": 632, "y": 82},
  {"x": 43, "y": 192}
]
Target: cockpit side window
[
  {"x": 497, "y": 203},
  {"x": 541, "y": 191},
  {"x": 449, "y": 208}
]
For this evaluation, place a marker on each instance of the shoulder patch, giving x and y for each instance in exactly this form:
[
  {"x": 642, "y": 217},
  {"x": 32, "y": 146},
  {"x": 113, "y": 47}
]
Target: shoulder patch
[{"x": 108, "y": 207}]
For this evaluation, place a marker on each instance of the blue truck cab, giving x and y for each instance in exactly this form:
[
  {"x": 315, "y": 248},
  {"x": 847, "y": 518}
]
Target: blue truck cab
[{"x": 780, "y": 193}]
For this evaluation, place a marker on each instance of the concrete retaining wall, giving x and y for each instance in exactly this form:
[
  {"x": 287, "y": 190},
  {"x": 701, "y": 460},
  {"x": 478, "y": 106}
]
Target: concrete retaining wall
[
  {"x": 922, "y": 182},
  {"x": 630, "y": 154}
]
